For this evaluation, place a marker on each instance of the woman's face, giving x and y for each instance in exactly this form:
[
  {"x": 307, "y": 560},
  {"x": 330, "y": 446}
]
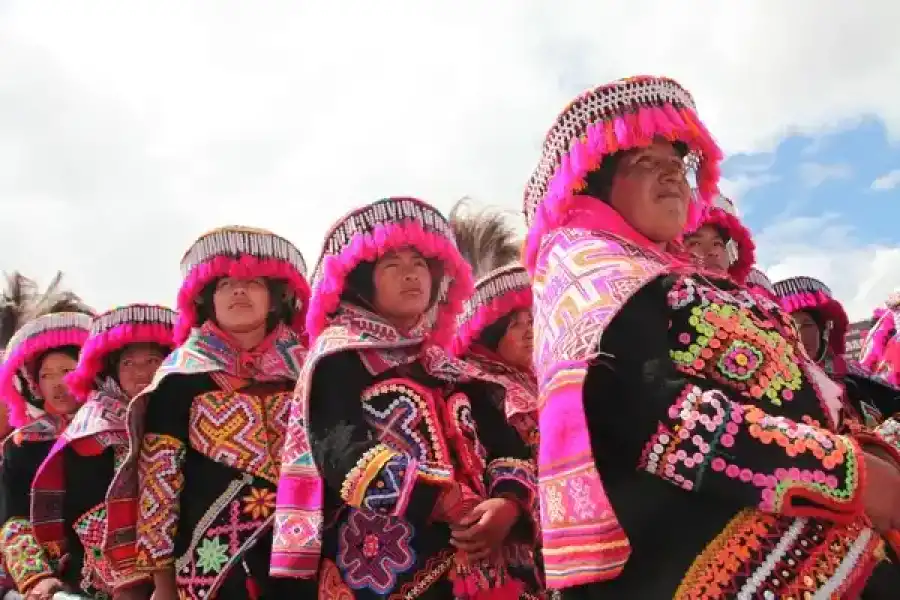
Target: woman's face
[
  {"x": 517, "y": 344},
  {"x": 810, "y": 334},
  {"x": 402, "y": 282},
  {"x": 136, "y": 366},
  {"x": 651, "y": 191},
  {"x": 708, "y": 245},
  {"x": 241, "y": 305},
  {"x": 57, "y": 398}
]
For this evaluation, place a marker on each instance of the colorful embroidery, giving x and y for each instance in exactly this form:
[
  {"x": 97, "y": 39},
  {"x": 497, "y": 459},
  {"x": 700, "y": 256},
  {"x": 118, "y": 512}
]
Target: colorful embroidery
[
  {"x": 24, "y": 558},
  {"x": 513, "y": 477},
  {"x": 242, "y": 431},
  {"x": 889, "y": 431},
  {"x": 707, "y": 430},
  {"x": 381, "y": 481},
  {"x": 763, "y": 556},
  {"x": 735, "y": 342},
  {"x": 229, "y": 526},
  {"x": 331, "y": 586},
  {"x": 161, "y": 481},
  {"x": 373, "y": 549},
  {"x": 471, "y": 454}
]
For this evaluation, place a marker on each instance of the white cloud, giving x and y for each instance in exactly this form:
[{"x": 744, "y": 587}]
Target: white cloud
[
  {"x": 888, "y": 181},
  {"x": 815, "y": 174},
  {"x": 860, "y": 273},
  {"x": 125, "y": 131}
]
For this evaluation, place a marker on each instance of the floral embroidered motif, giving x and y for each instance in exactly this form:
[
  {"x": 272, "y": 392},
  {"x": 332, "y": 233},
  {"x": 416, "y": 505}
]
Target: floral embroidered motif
[
  {"x": 25, "y": 559},
  {"x": 242, "y": 431},
  {"x": 220, "y": 537},
  {"x": 706, "y": 429},
  {"x": 763, "y": 556},
  {"x": 736, "y": 342},
  {"x": 373, "y": 550},
  {"x": 259, "y": 503},
  {"x": 161, "y": 481}
]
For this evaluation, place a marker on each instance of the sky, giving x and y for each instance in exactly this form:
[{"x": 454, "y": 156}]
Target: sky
[{"x": 127, "y": 129}]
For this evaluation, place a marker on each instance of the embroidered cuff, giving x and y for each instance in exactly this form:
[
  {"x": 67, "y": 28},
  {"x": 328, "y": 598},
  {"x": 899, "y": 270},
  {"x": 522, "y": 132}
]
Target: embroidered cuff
[
  {"x": 388, "y": 482},
  {"x": 161, "y": 480},
  {"x": 24, "y": 558},
  {"x": 707, "y": 442},
  {"x": 515, "y": 479}
]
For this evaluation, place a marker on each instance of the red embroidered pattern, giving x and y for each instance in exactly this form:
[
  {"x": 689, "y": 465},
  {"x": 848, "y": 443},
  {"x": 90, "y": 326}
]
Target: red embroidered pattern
[
  {"x": 242, "y": 431},
  {"x": 161, "y": 481},
  {"x": 25, "y": 559}
]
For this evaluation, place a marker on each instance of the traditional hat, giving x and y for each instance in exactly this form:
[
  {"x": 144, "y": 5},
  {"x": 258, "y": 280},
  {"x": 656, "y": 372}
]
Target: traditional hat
[
  {"x": 497, "y": 294},
  {"x": 810, "y": 294},
  {"x": 34, "y": 339},
  {"x": 626, "y": 114},
  {"x": 759, "y": 281},
  {"x": 722, "y": 215},
  {"x": 235, "y": 251},
  {"x": 111, "y": 332},
  {"x": 368, "y": 233}
]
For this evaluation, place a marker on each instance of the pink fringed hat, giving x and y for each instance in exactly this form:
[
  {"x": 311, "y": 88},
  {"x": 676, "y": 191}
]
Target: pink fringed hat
[
  {"x": 111, "y": 332},
  {"x": 239, "y": 252},
  {"x": 722, "y": 215},
  {"x": 883, "y": 336},
  {"x": 34, "y": 339},
  {"x": 810, "y": 294},
  {"x": 368, "y": 233},
  {"x": 497, "y": 294},
  {"x": 626, "y": 114},
  {"x": 760, "y": 282}
]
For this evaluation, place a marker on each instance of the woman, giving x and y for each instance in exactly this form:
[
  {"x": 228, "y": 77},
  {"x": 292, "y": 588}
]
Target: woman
[
  {"x": 722, "y": 242},
  {"x": 205, "y": 436},
  {"x": 494, "y": 333},
  {"x": 40, "y": 406},
  {"x": 880, "y": 354},
  {"x": 820, "y": 318},
  {"x": 687, "y": 444},
  {"x": 125, "y": 347},
  {"x": 387, "y": 491}
]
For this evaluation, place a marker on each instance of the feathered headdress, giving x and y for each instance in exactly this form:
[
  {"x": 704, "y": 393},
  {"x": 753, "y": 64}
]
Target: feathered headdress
[
  {"x": 486, "y": 237},
  {"x": 21, "y": 302}
]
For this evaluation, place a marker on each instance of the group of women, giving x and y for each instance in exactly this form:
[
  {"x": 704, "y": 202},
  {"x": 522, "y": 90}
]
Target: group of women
[{"x": 631, "y": 411}]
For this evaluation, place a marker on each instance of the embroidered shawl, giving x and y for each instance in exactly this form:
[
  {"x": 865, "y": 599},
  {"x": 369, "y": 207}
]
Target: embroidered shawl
[
  {"x": 299, "y": 508},
  {"x": 582, "y": 279},
  {"x": 208, "y": 350},
  {"x": 98, "y": 424}
]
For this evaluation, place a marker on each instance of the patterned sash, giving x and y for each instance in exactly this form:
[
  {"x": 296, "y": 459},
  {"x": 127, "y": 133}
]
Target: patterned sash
[{"x": 207, "y": 351}]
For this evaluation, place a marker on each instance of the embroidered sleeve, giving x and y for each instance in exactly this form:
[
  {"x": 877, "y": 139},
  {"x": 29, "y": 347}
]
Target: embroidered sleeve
[
  {"x": 160, "y": 480},
  {"x": 884, "y": 440},
  {"x": 699, "y": 432},
  {"x": 365, "y": 472},
  {"x": 24, "y": 558}
]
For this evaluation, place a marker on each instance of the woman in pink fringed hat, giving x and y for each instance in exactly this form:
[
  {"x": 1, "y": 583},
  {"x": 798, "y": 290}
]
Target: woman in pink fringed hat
[
  {"x": 125, "y": 347},
  {"x": 688, "y": 447},
  {"x": 722, "y": 242},
  {"x": 191, "y": 505},
  {"x": 36, "y": 361},
  {"x": 400, "y": 478},
  {"x": 880, "y": 355}
]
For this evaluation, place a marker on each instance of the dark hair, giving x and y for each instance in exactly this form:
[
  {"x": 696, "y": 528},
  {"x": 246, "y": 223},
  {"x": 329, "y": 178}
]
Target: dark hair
[
  {"x": 34, "y": 371},
  {"x": 111, "y": 364},
  {"x": 359, "y": 287},
  {"x": 492, "y": 335},
  {"x": 598, "y": 183},
  {"x": 281, "y": 305}
]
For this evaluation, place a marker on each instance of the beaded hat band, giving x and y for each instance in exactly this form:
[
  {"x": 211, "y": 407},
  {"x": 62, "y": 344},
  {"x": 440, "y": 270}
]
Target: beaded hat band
[
  {"x": 497, "y": 294},
  {"x": 242, "y": 252},
  {"x": 623, "y": 115},
  {"x": 35, "y": 338},
  {"x": 368, "y": 233},
  {"x": 114, "y": 330},
  {"x": 810, "y": 294}
]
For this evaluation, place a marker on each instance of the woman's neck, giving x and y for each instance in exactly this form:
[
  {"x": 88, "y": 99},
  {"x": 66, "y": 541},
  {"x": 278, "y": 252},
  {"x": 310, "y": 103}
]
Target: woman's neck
[{"x": 248, "y": 340}]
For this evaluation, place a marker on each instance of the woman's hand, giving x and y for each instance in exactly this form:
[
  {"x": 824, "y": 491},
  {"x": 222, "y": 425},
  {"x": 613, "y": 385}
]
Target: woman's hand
[
  {"x": 881, "y": 494},
  {"x": 44, "y": 589},
  {"x": 485, "y": 528},
  {"x": 164, "y": 586}
]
